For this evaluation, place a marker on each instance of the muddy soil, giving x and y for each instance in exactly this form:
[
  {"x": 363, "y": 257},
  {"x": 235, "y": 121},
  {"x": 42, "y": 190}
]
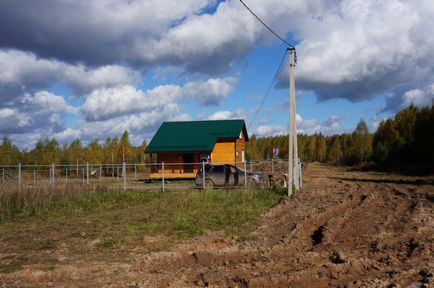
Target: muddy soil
[{"x": 343, "y": 229}]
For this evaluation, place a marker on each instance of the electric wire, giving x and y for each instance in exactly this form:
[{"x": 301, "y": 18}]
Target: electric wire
[
  {"x": 266, "y": 26},
  {"x": 269, "y": 87}
]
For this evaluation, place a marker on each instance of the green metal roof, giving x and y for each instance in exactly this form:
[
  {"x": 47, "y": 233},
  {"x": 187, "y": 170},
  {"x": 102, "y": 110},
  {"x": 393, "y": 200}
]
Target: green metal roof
[{"x": 190, "y": 136}]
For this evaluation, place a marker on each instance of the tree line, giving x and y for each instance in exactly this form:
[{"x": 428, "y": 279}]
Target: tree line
[
  {"x": 348, "y": 149},
  {"x": 405, "y": 143},
  {"x": 48, "y": 151}
]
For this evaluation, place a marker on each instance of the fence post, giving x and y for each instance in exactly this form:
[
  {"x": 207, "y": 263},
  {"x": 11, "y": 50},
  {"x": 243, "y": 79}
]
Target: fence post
[
  {"x": 124, "y": 172},
  {"x": 135, "y": 171},
  {"x": 34, "y": 178},
  {"x": 300, "y": 180},
  {"x": 100, "y": 172},
  {"x": 87, "y": 173},
  {"x": 19, "y": 176},
  {"x": 203, "y": 175},
  {"x": 52, "y": 169},
  {"x": 162, "y": 176},
  {"x": 272, "y": 165},
  {"x": 82, "y": 176},
  {"x": 3, "y": 175},
  {"x": 66, "y": 175},
  {"x": 245, "y": 174},
  {"x": 251, "y": 166}
]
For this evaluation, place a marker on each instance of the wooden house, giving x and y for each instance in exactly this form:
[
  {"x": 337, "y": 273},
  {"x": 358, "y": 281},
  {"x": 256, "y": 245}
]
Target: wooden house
[{"x": 183, "y": 146}]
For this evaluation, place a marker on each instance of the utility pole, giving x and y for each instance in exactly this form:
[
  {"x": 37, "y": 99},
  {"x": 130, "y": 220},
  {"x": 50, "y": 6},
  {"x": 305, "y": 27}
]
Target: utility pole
[{"x": 293, "y": 165}]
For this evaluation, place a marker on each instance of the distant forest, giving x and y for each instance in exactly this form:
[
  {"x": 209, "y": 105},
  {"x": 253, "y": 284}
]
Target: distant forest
[
  {"x": 405, "y": 142},
  {"x": 45, "y": 152}
]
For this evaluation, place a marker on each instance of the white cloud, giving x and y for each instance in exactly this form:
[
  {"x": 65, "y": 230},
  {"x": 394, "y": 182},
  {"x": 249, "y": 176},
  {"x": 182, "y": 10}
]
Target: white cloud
[
  {"x": 11, "y": 119},
  {"x": 67, "y": 135},
  {"x": 30, "y": 112},
  {"x": 95, "y": 31},
  {"x": 225, "y": 115},
  {"x": 44, "y": 102},
  {"x": 21, "y": 71},
  {"x": 139, "y": 123},
  {"x": 417, "y": 97},
  {"x": 106, "y": 103},
  {"x": 348, "y": 49},
  {"x": 27, "y": 140},
  {"x": 270, "y": 130},
  {"x": 356, "y": 49},
  {"x": 328, "y": 127},
  {"x": 210, "y": 92}
]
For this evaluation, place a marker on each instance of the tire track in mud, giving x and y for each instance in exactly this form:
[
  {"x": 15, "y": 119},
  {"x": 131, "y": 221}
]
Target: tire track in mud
[{"x": 350, "y": 217}]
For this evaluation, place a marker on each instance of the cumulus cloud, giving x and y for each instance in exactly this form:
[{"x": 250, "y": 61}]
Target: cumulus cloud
[
  {"x": 419, "y": 97},
  {"x": 210, "y": 92},
  {"x": 30, "y": 112},
  {"x": 330, "y": 126},
  {"x": 270, "y": 130},
  {"x": 106, "y": 103},
  {"x": 349, "y": 49},
  {"x": 143, "y": 123},
  {"x": 10, "y": 119},
  {"x": 67, "y": 135},
  {"x": 95, "y": 31},
  {"x": 146, "y": 32},
  {"x": 226, "y": 115},
  {"x": 356, "y": 49},
  {"x": 22, "y": 71}
]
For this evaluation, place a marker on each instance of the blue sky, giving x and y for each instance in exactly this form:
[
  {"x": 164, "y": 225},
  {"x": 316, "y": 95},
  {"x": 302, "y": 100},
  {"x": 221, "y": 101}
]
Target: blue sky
[{"x": 94, "y": 69}]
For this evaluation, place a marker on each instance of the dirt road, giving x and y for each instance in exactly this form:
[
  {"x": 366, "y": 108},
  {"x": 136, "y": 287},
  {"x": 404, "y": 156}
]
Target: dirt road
[{"x": 343, "y": 229}]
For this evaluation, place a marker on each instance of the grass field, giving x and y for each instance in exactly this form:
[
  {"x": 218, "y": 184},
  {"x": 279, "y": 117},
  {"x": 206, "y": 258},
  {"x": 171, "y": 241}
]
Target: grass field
[{"x": 97, "y": 223}]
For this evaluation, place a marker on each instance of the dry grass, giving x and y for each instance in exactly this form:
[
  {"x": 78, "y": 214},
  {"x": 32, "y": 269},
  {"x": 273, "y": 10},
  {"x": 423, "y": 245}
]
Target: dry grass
[{"x": 36, "y": 200}]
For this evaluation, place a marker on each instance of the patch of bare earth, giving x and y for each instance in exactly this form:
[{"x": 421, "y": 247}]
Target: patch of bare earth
[{"x": 343, "y": 229}]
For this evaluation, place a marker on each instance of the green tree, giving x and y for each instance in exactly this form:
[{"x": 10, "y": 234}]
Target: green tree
[
  {"x": 335, "y": 151},
  {"x": 385, "y": 141},
  {"x": 362, "y": 142},
  {"x": 125, "y": 148},
  {"x": 321, "y": 148},
  {"x": 9, "y": 153},
  {"x": 95, "y": 154}
]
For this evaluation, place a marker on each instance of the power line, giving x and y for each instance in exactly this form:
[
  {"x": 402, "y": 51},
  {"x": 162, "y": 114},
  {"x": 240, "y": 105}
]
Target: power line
[
  {"x": 269, "y": 87},
  {"x": 266, "y": 26}
]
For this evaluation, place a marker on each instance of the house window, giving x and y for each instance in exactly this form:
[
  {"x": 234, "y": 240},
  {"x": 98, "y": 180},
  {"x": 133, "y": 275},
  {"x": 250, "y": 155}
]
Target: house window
[{"x": 243, "y": 156}]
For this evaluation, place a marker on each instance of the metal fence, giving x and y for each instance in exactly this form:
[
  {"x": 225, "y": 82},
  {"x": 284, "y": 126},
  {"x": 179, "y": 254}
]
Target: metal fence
[{"x": 128, "y": 176}]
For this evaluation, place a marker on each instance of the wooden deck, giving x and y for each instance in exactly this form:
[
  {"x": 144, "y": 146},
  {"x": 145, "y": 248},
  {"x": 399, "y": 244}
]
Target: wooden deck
[{"x": 155, "y": 176}]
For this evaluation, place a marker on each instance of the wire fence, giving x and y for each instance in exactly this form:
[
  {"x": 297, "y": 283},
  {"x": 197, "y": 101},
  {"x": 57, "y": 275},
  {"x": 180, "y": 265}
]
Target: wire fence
[{"x": 152, "y": 176}]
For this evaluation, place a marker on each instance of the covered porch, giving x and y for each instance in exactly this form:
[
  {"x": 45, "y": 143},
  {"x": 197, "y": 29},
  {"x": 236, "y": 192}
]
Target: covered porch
[{"x": 177, "y": 165}]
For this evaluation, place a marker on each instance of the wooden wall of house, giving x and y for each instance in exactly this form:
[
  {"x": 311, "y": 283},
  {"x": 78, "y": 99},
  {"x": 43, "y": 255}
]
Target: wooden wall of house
[
  {"x": 224, "y": 152},
  {"x": 240, "y": 145}
]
